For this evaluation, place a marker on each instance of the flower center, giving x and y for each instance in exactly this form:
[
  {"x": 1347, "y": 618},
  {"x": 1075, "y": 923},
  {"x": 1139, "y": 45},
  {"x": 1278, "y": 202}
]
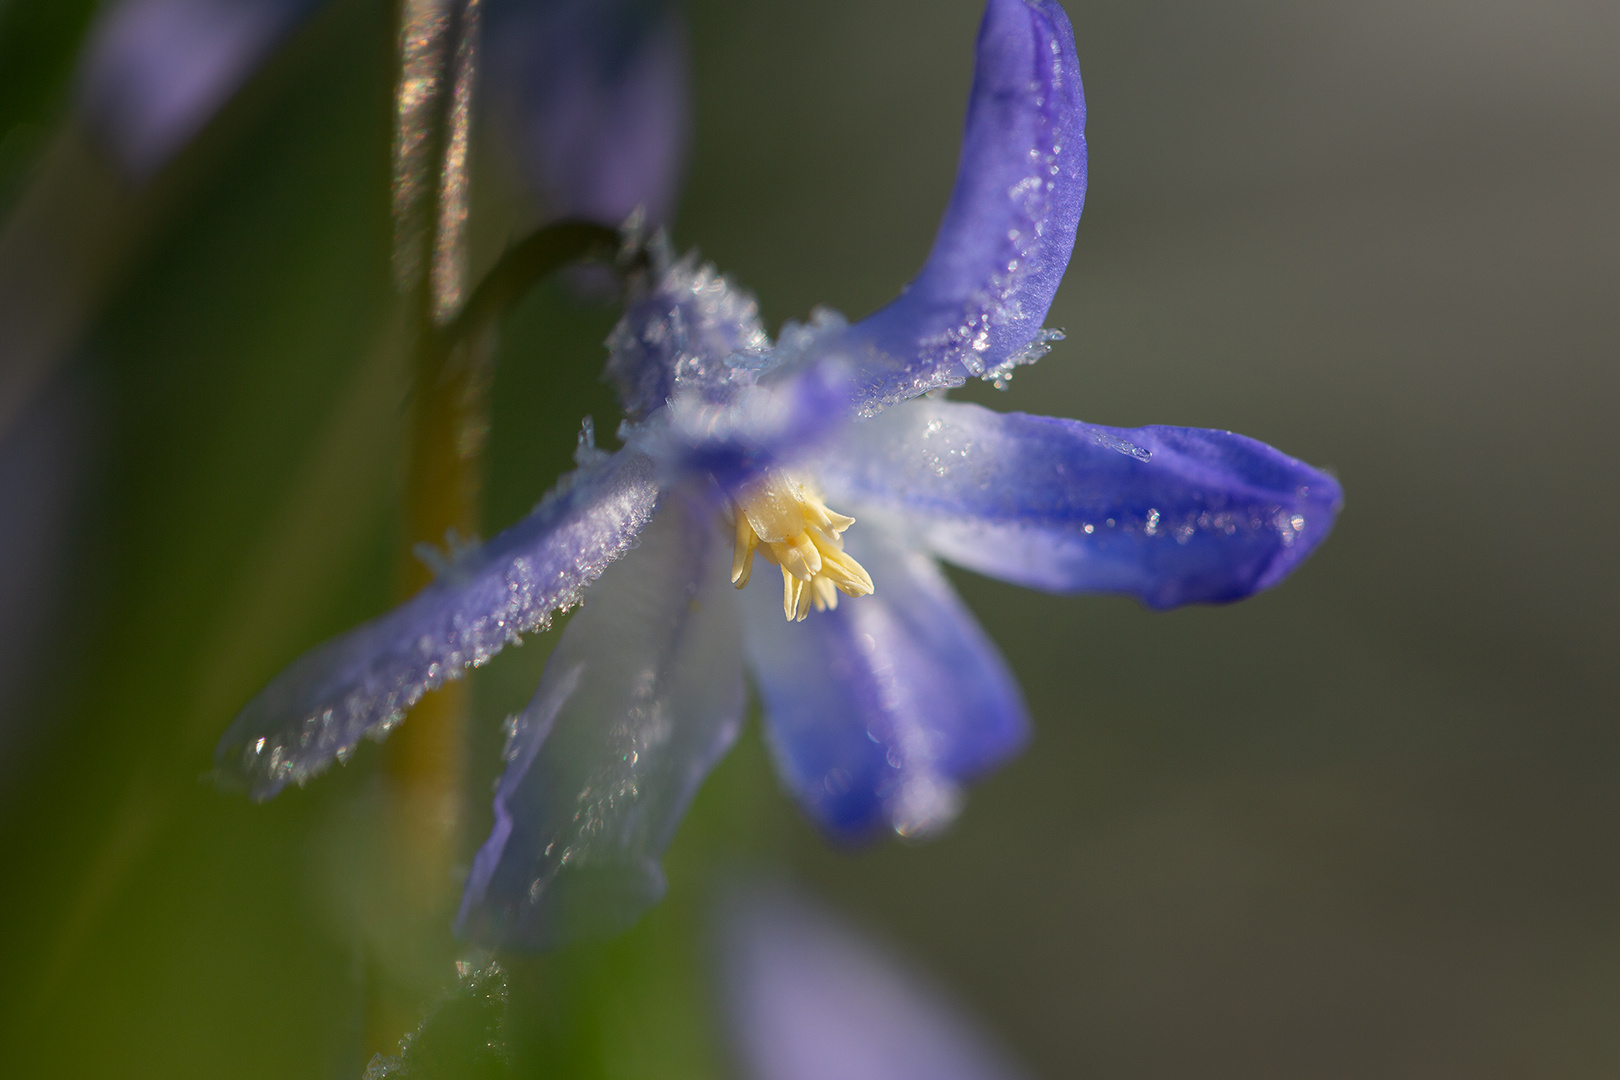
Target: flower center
[{"x": 785, "y": 519}]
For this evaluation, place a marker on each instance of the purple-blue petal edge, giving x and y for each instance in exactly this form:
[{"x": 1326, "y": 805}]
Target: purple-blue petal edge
[
  {"x": 362, "y": 683},
  {"x": 1169, "y": 515},
  {"x": 978, "y": 304}
]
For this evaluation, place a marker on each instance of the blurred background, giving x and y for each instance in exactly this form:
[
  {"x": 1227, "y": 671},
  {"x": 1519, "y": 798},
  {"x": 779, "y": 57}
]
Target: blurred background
[{"x": 1366, "y": 824}]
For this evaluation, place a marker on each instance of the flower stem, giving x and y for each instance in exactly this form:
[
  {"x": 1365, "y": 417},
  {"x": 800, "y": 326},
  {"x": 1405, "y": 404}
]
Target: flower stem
[{"x": 424, "y": 762}]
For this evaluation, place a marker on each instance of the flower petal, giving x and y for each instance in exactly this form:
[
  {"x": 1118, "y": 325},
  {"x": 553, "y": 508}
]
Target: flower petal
[
  {"x": 155, "y": 71},
  {"x": 877, "y": 709},
  {"x": 363, "y": 682},
  {"x": 1168, "y": 515},
  {"x": 807, "y": 998},
  {"x": 755, "y": 428},
  {"x": 642, "y": 696},
  {"x": 594, "y": 93},
  {"x": 680, "y": 327},
  {"x": 977, "y": 306}
]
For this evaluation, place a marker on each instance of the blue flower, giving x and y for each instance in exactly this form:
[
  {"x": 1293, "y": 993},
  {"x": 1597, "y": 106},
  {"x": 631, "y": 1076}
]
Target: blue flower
[
  {"x": 825, "y": 455},
  {"x": 154, "y": 72},
  {"x": 592, "y": 95},
  {"x": 805, "y": 997},
  {"x": 591, "y": 92}
]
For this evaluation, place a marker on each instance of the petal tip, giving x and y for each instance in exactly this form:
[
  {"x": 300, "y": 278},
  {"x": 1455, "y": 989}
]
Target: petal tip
[{"x": 1008, "y": 231}]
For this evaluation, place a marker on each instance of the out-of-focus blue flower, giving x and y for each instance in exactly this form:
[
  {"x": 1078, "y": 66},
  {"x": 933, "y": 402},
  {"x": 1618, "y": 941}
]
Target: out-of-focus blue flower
[
  {"x": 593, "y": 95},
  {"x": 592, "y": 92},
  {"x": 155, "y": 71},
  {"x": 804, "y": 997},
  {"x": 878, "y": 708}
]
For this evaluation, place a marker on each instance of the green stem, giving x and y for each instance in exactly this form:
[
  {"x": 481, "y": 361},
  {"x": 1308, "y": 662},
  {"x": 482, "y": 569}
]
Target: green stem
[
  {"x": 425, "y": 760},
  {"x": 535, "y": 257}
]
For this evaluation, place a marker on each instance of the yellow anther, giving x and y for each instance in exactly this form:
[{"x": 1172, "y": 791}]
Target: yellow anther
[
  {"x": 785, "y": 519},
  {"x": 826, "y": 598},
  {"x": 742, "y": 559}
]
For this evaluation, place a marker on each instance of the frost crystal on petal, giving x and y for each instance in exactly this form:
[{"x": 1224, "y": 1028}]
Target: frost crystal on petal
[
  {"x": 679, "y": 332},
  {"x": 1002, "y": 373},
  {"x": 976, "y": 307},
  {"x": 363, "y": 683}
]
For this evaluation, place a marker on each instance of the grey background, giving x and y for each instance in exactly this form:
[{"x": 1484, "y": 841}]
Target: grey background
[{"x": 1365, "y": 824}]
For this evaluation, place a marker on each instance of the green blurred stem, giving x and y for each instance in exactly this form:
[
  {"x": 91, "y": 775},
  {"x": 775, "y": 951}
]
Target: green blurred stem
[
  {"x": 425, "y": 760},
  {"x": 453, "y": 337},
  {"x": 532, "y": 259}
]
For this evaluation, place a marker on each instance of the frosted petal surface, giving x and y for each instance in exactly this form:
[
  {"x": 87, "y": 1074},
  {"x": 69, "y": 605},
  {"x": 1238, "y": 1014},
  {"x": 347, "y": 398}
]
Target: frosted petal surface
[
  {"x": 770, "y": 423},
  {"x": 977, "y": 306},
  {"x": 808, "y": 998},
  {"x": 642, "y": 696},
  {"x": 363, "y": 682},
  {"x": 691, "y": 329},
  {"x": 875, "y": 711},
  {"x": 1169, "y": 515}
]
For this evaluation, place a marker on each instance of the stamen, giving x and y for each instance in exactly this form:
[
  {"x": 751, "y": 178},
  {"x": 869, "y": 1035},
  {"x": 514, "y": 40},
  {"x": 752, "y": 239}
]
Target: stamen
[
  {"x": 826, "y": 598},
  {"x": 742, "y": 560},
  {"x": 785, "y": 519}
]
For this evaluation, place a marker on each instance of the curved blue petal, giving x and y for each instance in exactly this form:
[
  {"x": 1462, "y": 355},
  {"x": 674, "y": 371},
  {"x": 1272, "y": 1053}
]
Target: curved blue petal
[
  {"x": 156, "y": 71},
  {"x": 363, "y": 682},
  {"x": 1169, "y": 515},
  {"x": 976, "y": 308},
  {"x": 595, "y": 94},
  {"x": 680, "y": 326},
  {"x": 806, "y": 998},
  {"x": 877, "y": 710},
  {"x": 642, "y": 696}
]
